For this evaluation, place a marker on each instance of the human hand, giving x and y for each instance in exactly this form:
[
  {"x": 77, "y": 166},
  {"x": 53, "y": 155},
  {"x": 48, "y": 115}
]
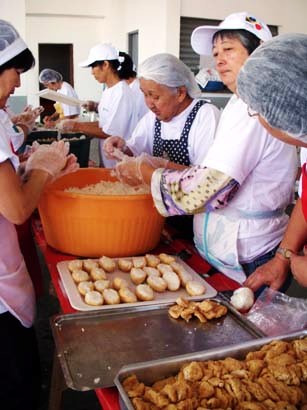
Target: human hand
[
  {"x": 113, "y": 146},
  {"x": 27, "y": 117},
  {"x": 273, "y": 274},
  {"x": 299, "y": 268},
  {"x": 71, "y": 166},
  {"x": 90, "y": 106},
  {"x": 67, "y": 125},
  {"x": 50, "y": 158},
  {"x": 138, "y": 170}
]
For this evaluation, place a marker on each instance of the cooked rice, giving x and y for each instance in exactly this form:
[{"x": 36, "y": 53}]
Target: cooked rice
[{"x": 109, "y": 188}]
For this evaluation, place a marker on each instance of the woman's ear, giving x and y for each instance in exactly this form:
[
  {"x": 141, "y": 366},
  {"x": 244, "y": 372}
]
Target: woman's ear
[{"x": 182, "y": 92}]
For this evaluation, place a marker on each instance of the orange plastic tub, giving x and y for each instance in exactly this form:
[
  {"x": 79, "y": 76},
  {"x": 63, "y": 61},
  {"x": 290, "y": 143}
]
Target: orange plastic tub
[{"x": 95, "y": 225}]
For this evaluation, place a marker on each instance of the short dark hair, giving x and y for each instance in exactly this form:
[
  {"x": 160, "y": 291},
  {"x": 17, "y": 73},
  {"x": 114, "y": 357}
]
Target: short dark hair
[
  {"x": 23, "y": 61},
  {"x": 247, "y": 39},
  {"x": 127, "y": 66}
]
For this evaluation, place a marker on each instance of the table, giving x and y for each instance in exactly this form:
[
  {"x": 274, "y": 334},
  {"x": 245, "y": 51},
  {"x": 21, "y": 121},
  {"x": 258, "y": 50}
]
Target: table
[{"x": 171, "y": 242}]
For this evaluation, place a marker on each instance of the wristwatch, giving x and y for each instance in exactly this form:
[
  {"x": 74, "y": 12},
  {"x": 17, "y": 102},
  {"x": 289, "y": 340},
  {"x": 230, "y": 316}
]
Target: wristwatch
[{"x": 286, "y": 253}]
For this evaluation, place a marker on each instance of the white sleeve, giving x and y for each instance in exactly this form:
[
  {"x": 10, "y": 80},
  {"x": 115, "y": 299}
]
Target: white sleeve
[
  {"x": 239, "y": 143},
  {"x": 143, "y": 135}
]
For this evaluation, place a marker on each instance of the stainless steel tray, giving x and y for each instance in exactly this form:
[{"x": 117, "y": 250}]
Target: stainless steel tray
[
  {"x": 93, "y": 346},
  {"x": 155, "y": 370}
]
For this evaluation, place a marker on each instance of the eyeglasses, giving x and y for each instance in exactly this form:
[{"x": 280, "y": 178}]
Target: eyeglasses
[{"x": 251, "y": 112}]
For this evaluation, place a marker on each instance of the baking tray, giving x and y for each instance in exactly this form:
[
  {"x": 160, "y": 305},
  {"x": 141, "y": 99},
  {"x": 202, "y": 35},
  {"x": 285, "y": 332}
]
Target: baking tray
[
  {"x": 93, "y": 346},
  {"x": 55, "y": 96},
  {"x": 77, "y": 302},
  {"x": 155, "y": 370}
]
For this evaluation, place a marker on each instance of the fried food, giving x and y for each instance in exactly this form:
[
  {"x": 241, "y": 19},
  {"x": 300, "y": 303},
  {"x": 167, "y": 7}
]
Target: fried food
[
  {"x": 228, "y": 384},
  {"x": 206, "y": 310}
]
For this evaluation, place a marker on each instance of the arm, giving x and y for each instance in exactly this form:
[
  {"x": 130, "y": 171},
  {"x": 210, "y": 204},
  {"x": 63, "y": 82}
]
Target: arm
[
  {"x": 274, "y": 272},
  {"x": 20, "y": 199},
  {"x": 89, "y": 128}
]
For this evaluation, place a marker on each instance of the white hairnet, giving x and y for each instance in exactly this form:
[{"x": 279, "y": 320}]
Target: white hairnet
[
  {"x": 273, "y": 82},
  {"x": 50, "y": 76},
  {"x": 11, "y": 44},
  {"x": 168, "y": 70}
]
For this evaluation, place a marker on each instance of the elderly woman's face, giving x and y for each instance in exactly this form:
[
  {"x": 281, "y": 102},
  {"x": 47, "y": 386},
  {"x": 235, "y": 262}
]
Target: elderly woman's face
[
  {"x": 9, "y": 80},
  {"x": 229, "y": 55},
  {"x": 163, "y": 101}
]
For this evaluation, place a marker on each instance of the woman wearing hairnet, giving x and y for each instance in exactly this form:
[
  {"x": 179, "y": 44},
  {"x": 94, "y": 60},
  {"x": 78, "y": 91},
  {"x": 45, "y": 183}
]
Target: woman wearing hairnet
[
  {"x": 279, "y": 101},
  {"x": 53, "y": 80},
  {"x": 117, "y": 109},
  {"x": 243, "y": 186},
  {"x": 179, "y": 127},
  {"x": 19, "y": 370}
]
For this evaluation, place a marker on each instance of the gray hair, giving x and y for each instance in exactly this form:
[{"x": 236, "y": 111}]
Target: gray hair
[
  {"x": 50, "y": 76},
  {"x": 168, "y": 70},
  {"x": 273, "y": 82}
]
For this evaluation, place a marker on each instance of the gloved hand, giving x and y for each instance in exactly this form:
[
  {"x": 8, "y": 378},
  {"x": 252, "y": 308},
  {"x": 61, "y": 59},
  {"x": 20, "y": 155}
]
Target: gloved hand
[
  {"x": 138, "y": 170},
  {"x": 67, "y": 125},
  {"x": 27, "y": 117},
  {"x": 90, "y": 106},
  {"x": 71, "y": 166},
  {"x": 112, "y": 147},
  {"x": 50, "y": 158}
]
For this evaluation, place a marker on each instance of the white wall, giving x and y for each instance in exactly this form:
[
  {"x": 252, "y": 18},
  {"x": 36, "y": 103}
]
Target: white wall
[{"x": 158, "y": 21}]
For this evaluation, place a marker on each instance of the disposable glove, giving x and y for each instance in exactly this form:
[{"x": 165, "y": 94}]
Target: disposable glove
[
  {"x": 71, "y": 166},
  {"x": 67, "y": 125},
  {"x": 27, "y": 117},
  {"x": 50, "y": 158},
  {"x": 113, "y": 146},
  {"x": 137, "y": 171}
]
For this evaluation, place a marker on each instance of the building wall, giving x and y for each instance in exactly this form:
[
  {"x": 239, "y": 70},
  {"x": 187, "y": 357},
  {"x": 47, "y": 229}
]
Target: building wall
[{"x": 86, "y": 23}]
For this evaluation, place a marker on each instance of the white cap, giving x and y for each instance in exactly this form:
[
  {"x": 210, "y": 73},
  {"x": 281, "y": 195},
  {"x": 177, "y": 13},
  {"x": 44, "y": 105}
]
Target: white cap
[
  {"x": 100, "y": 52},
  {"x": 201, "y": 39},
  {"x": 11, "y": 44}
]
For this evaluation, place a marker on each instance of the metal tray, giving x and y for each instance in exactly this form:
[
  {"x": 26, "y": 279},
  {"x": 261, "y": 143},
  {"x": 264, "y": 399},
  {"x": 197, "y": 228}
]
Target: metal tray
[
  {"x": 155, "y": 370},
  {"x": 92, "y": 347},
  {"x": 77, "y": 301}
]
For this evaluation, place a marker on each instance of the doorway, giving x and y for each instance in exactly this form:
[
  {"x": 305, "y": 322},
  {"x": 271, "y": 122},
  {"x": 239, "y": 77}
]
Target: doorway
[{"x": 59, "y": 57}]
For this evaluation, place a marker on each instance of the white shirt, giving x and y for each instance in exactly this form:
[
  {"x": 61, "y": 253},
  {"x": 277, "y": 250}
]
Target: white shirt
[
  {"x": 117, "y": 114},
  {"x": 141, "y": 106},
  {"x": 200, "y": 137},
  {"x": 265, "y": 168},
  {"x": 16, "y": 137},
  {"x": 66, "y": 89}
]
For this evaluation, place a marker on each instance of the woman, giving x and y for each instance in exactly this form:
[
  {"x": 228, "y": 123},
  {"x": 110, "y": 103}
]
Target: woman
[
  {"x": 243, "y": 185},
  {"x": 53, "y": 80},
  {"x": 279, "y": 101},
  {"x": 117, "y": 110},
  {"x": 179, "y": 127},
  {"x": 19, "y": 371}
]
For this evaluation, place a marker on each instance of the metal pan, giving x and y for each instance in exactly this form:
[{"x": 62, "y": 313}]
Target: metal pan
[
  {"x": 152, "y": 371},
  {"x": 93, "y": 346}
]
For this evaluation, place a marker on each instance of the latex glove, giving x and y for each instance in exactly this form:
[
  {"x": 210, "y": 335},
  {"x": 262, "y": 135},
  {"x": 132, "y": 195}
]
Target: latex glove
[
  {"x": 90, "y": 106},
  {"x": 27, "y": 117},
  {"x": 138, "y": 170},
  {"x": 112, "y": 146},
  {"x": 67, "y": 125},
  {"x": 71, "y": 166},
  {"x": 50, "y": 158}
]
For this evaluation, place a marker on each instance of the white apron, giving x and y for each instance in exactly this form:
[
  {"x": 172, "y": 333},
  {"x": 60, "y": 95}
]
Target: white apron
[
  {"x": 218, "y": 241},
  {"x": 16, "y": 289}
]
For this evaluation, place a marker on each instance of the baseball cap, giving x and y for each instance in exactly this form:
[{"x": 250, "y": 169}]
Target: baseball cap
[
  {"x": 100, "y": 52},
  {"x": 201, "y": 39}
]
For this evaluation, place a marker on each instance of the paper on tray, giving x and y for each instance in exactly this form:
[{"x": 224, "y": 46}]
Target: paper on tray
[{"x": 55, "y": 96}]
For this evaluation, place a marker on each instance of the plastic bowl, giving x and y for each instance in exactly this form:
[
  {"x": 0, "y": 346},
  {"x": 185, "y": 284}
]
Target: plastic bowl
[{"x": 95, "y": 225}]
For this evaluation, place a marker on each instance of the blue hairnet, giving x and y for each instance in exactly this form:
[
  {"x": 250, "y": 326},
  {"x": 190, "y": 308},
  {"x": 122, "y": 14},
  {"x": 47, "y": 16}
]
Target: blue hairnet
[
  {"x": 50, "y": 76},
  {"x": 273, "y": 82},
  {"x": 168, "y": 70}
]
